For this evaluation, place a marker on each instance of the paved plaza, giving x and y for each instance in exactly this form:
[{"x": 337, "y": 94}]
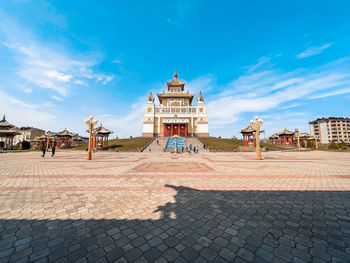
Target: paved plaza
[{"x": 162, "y": 207}]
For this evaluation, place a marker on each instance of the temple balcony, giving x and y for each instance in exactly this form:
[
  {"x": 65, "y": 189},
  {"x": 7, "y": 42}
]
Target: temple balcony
[{"x": 176, "y": 109}]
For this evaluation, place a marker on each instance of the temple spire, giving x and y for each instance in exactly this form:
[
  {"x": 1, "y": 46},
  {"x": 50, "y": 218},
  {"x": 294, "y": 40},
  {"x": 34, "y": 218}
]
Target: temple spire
[
  {"x": 3, "y": 118},
  {"x": 175, "y": 74}
]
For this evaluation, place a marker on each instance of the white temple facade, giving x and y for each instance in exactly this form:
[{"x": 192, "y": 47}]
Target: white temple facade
[{"x": 175, "y": 115}]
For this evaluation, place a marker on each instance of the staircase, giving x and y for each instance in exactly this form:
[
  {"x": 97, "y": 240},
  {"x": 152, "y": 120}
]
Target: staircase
[
  {"x": 179, "y": 143},
  {"x": 155, "y": 147},
  {"x": 195, "y": 143}
]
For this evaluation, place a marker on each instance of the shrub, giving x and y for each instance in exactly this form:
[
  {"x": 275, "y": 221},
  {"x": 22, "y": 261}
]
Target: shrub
[
  {"x": 25, "y": 145},
  {"x": 342, "y": 145},
  {"x": 332, "y": 145}
]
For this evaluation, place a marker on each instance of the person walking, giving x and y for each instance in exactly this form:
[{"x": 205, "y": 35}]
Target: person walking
[
  {"x": 43, "y": 150},
  {"x": 190, "y": 147},
  {"x": 53, "y": 150},
  {"x": 194, "y": 149}
]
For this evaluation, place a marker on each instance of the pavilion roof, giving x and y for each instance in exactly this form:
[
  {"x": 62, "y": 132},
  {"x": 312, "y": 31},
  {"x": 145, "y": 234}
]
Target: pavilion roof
[
  {"x": 175, "y": 82},
  {"x": 249, "y": 129},
  {"x": 273, "y": 136},
  {"x": 65, "y": 133},
  {"x": 100, "y": 129},
  {"x": 4, "y": 124},
  {"x": 285, "y": 132}
]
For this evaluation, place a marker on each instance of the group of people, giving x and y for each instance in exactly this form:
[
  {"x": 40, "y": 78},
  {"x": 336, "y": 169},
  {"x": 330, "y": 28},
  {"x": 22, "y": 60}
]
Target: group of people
[
  {"x": 43, "y": 150},
  {"x": 193, "y": 149}
]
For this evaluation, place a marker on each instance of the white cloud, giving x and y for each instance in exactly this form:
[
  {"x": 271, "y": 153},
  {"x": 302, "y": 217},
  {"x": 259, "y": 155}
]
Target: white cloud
[
  {"x": 331, "y": 93},
  {"x": 57, "y": 98},
  {"x": 261, "y": 61},
  {"x": 264, "y": 91},
  {"x": 79, "y": 82},
  {"x": 311, "y": 51},
  {"x": 47, "y": 65},
  {"x": 20, "y": 113},
  {"x": 131, "y": 123},
  {"x": 117, "y": 61},
  {"x": 58, "y": 75}
]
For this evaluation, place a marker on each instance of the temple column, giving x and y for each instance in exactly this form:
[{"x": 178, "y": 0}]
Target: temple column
[
  {"x": 186, "y": 130},
  {"x": 284, "y": 140},
  {"x": 164, "y": 128},
  {"x": 253, "y": 140},
  {"x": 171, "y": 132},
  {"x": 178, "y": 129}
]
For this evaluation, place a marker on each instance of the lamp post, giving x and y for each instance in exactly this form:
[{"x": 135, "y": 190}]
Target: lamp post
[
  {"x": 256, "y": 125},
  {"x": 47, "y": 140},
  {"x": 90, "y": 123}
]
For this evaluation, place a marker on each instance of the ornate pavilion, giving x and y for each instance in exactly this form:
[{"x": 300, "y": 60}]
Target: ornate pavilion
[
  {"x": 175, "y": 115},
  {"x": 248, "y": 134},
  {"x": 64, "y": 138},
  {"x": 6, "y": 134},
  {"x": 284, "y": 137},
  {"x": 100, "y": 135}
]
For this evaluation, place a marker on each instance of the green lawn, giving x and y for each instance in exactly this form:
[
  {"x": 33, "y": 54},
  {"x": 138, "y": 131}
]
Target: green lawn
[
  {"x": 122, "y": 145},
  {"x": 232, "y": 145}
]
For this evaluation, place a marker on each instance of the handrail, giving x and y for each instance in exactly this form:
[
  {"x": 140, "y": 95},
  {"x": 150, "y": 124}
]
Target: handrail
[{"x": 144, "y": 147}]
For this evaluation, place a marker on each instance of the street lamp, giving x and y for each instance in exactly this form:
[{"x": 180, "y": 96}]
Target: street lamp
[
  {"x": 256, "y": 125},
  {"x": 90, "y": 123},
  {"x": 47, "y": 140}
]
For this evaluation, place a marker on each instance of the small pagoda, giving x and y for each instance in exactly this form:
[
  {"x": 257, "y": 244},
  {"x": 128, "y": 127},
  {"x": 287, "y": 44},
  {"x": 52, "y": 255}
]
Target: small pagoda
[
  {"x": 286, "y": 137},
  {"x": 7, "y": 134},
  {"x": 101, "y": 135},
  {"x": 64, "y": 138},
  {"x": 248, "y": 134},
  {"x": 273, "y": 139}
]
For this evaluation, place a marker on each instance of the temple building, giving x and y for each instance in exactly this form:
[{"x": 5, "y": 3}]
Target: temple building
[{"x": 175, "y": 114}]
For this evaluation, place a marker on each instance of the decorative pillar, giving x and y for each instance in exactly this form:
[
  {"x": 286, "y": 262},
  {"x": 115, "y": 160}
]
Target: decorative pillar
[
  {"x": 178, "y": 129},
  {"x": 172, "y": 127},
  {"x": 284, "y": 140},
  {"x": 186, "y": 130},
  {"x": 254, "y": 141}
]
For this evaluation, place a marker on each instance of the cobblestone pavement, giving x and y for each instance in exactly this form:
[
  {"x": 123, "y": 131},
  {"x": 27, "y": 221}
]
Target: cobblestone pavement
[{"x": 141, "y": 207}]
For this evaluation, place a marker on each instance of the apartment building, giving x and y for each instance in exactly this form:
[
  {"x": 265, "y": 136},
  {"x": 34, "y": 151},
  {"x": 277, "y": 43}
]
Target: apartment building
[{"x": 331, "y": 129}]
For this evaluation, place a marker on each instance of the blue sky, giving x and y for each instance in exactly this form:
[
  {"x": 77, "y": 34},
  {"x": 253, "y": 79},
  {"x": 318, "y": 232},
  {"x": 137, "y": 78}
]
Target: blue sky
[{"x": 61, "y": 61}]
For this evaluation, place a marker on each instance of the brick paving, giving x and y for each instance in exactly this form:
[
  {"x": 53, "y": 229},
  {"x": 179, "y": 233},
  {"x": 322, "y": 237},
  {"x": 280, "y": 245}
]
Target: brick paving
[{"x": 158, "y": 207}]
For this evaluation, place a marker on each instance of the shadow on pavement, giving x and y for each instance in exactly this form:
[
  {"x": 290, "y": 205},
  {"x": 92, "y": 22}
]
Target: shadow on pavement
[{"x": 212, "y": 226}]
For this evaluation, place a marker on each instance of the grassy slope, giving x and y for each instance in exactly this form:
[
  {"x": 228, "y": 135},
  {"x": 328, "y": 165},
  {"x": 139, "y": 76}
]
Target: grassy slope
[
  {"x": 230, "y": 145},
  {"x": 122, "y": 145}
]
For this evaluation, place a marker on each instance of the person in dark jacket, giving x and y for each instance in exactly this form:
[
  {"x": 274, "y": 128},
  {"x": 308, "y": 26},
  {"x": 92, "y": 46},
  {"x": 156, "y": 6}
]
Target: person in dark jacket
[
  {"x": 53, "y": 150},
  {"x": 43, "y": 149}
]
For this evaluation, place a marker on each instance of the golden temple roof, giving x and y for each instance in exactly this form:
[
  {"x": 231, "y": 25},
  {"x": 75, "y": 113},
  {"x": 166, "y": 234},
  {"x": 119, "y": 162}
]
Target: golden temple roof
[{"x": 175, "y": 82}]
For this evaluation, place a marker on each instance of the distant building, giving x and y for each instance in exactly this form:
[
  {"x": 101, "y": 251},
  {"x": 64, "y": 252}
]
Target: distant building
[
  {"x": 27, "y": 134},
  {"x": 331, "y": 129},
  {"x": 176, "y": 115}
]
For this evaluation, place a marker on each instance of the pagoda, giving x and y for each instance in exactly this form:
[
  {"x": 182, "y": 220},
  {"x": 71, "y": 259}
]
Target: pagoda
[
  {"x": 175, "y": 114},
  {"x": 6, "y": 134}
]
